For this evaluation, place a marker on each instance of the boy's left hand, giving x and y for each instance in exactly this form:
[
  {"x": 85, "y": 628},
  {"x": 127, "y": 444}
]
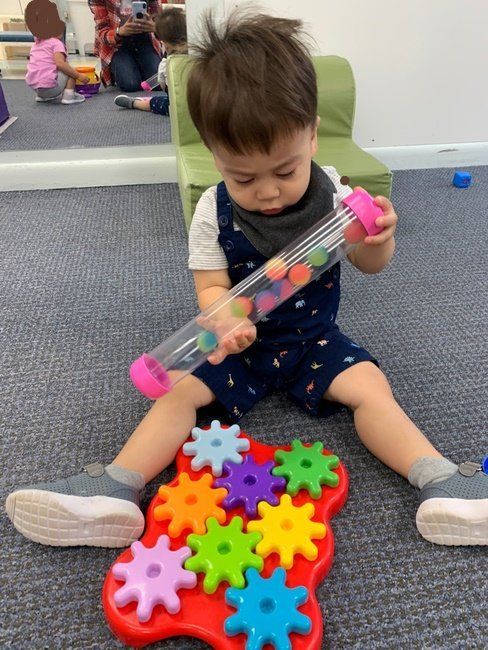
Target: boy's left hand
[
  {"x": 234, "y": 335},
  {"x": 388, "y": 222}
]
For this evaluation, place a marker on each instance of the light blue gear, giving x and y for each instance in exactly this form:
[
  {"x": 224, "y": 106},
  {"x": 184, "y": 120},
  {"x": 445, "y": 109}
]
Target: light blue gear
[
  {"x": 214, "y": 446},
  {"x": 267, "y": 611}
]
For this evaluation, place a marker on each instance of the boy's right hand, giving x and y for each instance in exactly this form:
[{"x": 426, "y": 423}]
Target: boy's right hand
[
  {"x": 83, "y": 79},
  {"x": 229, "y": 343}
]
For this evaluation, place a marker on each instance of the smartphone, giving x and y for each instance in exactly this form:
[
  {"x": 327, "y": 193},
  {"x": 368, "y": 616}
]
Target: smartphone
[{"x": 139, "y": 10}]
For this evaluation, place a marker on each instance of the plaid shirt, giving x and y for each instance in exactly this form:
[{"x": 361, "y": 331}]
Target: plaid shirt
[{"x": 107, "y": 19}]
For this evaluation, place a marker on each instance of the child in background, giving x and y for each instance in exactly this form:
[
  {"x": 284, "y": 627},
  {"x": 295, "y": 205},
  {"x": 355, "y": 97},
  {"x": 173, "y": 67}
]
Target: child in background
[
  {"x": 48, "y": 72},
  {"x": 252, "y": 94},
  {"x": 171, "y": 31}
]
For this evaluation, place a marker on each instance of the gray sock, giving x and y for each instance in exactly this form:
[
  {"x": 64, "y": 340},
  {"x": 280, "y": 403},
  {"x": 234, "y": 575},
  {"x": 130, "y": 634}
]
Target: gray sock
[
  {"x": 126, "y": 476},
  {"x": 430, "y": 469}
]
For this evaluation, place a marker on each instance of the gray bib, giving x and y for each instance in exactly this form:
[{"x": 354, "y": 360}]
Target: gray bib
[{"x": 269, "y": 234}]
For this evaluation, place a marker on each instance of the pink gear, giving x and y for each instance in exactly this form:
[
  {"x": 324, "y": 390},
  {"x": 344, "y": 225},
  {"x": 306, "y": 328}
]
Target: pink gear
[{"x": 153, "y": 577}]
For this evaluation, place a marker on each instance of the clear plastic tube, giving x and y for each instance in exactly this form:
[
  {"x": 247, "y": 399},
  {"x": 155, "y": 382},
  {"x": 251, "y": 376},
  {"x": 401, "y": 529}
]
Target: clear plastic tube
[
  {"x": 150, "y": 83},
  {"x": 302, "y": 261}
]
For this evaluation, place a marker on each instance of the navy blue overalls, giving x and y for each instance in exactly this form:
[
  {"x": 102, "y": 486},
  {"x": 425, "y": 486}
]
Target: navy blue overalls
[{"x": 299, "y": 348}]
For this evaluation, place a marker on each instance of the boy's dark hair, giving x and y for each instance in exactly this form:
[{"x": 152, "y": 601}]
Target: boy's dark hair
[
  {"x": 252, "y": 82},
  {"x": 170, "y": 26}
]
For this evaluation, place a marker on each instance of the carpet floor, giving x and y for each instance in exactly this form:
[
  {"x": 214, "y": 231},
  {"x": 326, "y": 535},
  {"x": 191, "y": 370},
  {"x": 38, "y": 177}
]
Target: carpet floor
[
  {"x": 89, "y": 279},
  {"x": 97, "y": 122}
]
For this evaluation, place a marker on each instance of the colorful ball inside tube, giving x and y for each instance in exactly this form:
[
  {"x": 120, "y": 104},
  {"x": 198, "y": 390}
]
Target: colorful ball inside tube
[
  {"x": 241, "y": 306},
  {"x": 283, "y": 289},
  {"x": 265, "y": 300},
  {"x": 299, "y": 274},
  {"x": 207, "y": 341},
  {"x": 354, "y": 232},
  {"x": 275, "y": 268},
  {"x": 318, "y": 256}
]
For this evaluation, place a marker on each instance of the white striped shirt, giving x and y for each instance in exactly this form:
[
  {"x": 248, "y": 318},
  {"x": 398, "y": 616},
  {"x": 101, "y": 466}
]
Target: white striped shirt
[{"x": 206, "y": 253}]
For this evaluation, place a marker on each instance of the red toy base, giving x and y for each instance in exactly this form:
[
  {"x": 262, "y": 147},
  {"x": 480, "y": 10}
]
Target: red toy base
[{"x": 202, "y": 615}]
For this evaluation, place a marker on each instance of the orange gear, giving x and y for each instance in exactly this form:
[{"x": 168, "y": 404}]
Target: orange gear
[{"x": 189, "y": 504}]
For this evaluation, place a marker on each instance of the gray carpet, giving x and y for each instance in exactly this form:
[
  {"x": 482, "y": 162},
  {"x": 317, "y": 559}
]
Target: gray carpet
[
  {"x": 97, "y": 122},
  {"x": 84, "y": 289}
]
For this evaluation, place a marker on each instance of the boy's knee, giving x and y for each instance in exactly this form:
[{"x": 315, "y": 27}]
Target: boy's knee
[
  {"x": 358, "y": 385},
  {"x": 193, "y": 391}
]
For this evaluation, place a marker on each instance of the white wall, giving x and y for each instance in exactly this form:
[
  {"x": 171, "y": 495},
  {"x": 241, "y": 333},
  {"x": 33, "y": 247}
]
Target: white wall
[{"x": 421, "y": 66}]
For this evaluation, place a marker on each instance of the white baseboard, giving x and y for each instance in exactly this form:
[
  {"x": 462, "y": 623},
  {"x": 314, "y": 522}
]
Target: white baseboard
[
  {"x": 149, "y": 164},
  {"x": 465, "y": 154},
  {"x": 94, "y": 167}
]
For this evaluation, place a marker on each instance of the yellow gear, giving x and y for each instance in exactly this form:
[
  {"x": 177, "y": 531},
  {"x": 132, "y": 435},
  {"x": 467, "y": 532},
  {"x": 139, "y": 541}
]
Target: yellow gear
[{"x": 287, "y": 530}]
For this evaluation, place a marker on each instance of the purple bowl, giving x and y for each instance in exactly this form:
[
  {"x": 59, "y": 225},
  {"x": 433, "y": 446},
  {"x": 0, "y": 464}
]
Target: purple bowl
[{"x": 88, "y": 89}]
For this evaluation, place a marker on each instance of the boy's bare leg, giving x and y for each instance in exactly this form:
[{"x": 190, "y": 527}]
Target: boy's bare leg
[
  {"x": 453, "y": 501},
  {"x": 154, "y": 443},
  {"x": 382, "y": 425},
  {"x": 142, "y": 104}
]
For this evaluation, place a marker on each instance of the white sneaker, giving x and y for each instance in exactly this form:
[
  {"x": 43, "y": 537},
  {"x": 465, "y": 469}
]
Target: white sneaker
[
  {"x": 72, "y": 98},
  {"x": 454, "y": 511},
  {"x": 88, "y": 509}
]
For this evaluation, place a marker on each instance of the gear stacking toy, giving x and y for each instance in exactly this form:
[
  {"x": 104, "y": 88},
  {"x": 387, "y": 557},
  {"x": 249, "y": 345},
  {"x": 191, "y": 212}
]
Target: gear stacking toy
[
  {"x": 232, "y": 559},
  {"x": 302, "y": 261}
]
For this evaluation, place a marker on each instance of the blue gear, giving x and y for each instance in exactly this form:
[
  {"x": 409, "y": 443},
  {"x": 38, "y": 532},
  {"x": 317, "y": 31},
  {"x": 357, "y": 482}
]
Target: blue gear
[
  {"x": 214, "y": 446},
  {"x": 267, "y": 611}
]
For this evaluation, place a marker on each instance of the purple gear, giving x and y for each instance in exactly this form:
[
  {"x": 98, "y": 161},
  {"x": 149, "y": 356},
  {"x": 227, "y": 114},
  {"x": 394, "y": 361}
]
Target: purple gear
[{"x": 249, "y": 483}]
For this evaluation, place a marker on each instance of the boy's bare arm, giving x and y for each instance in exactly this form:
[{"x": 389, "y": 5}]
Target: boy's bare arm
[
  {"x": 372, "y": 259},
  {"x": 235, "y": 334},
  {"x": 210, "y": 285},
  {"x": 64, "y": 66},
  {"x": 374, "y": 252}
]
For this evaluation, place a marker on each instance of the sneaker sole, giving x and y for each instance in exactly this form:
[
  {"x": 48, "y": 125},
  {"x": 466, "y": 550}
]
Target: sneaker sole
[
  {"x": 63, "y": 520},
  {"x": 454, "y": 522}
]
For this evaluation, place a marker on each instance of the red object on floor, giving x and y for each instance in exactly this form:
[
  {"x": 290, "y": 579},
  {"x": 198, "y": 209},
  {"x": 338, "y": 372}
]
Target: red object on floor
[{"x": 202, "y": 615}]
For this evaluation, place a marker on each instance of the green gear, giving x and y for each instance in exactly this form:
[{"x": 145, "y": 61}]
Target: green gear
[
  {"x": 306, "y": 468},
  {"x": 223, "y": 553}
]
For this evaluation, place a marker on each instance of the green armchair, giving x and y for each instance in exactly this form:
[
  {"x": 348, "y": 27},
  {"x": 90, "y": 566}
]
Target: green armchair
[{"x": 336, "y": 102}]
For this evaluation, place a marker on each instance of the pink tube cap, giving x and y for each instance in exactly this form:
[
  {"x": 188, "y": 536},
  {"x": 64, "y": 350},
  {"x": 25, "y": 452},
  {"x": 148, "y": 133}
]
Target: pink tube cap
[
  {"x": 150, "y": 377},
  {"x": 365, "y": 209},
  {"x": 145, "y": 86}
]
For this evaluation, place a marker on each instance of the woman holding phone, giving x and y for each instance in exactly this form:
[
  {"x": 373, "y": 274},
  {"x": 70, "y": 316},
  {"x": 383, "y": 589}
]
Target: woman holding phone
[{"x": 125, "y": 42}]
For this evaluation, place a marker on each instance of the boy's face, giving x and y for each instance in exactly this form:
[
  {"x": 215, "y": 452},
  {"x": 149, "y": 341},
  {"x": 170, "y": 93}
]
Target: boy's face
[{"x": 269, "y": 183}]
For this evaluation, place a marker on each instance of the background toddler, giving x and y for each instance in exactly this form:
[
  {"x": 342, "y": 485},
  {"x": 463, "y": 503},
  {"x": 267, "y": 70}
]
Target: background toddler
[{"x": 48, "y": 71}]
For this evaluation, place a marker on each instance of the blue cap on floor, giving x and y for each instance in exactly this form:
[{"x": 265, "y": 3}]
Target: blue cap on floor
[{"x": 462, "y": 179}]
